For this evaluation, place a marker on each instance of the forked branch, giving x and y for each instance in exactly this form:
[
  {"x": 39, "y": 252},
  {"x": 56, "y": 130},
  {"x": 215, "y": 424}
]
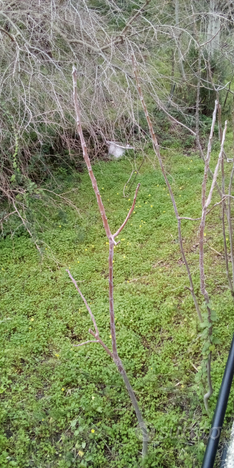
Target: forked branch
[
  {"x": 114, "y": 354},
  {"x": 129, "y": 213}
]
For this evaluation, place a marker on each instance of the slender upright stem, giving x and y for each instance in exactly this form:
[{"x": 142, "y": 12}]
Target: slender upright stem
[
  {"x": 141, "y": 423},
  {"x": 86, "y": 156},
  {"x": 197, "y": 114},
  {"x": 205, "y": 203},
  {"x": 111, "y": 301},
  {"x": 158, "y": 154},
  {"x": 204, "y": 208},
  {"x": 224, "y": 228},
  {"x": 224, "y": 209},
  {"x": 114, "y": 354},
  {"x": 198, "y": 143},
  {"x": 229, "y": 216},
  {"x": 210, "y": 388}
]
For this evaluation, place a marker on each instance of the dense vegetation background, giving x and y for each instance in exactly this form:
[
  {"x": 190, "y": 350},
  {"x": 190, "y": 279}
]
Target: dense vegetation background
[{"x": 63, "y": 406}]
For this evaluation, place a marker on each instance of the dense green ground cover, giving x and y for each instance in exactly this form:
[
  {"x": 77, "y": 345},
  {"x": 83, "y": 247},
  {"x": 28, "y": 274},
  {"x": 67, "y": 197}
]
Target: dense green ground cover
[{"x": 63, "y": 406}]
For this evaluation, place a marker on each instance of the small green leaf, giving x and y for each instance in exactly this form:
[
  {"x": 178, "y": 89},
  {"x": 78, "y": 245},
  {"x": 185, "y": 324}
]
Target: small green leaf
[
  {"x": 203, "y": 325},
  {"x": 216, "y": 340},
  {"x": 73, "y": 423},
  {"x": 213, "y": 316}
]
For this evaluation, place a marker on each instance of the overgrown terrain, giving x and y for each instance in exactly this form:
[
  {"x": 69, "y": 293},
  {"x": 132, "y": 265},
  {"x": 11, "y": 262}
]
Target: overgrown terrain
[
  {"x": 63, "y": 406},
  {"x": 170, "y": 63}
]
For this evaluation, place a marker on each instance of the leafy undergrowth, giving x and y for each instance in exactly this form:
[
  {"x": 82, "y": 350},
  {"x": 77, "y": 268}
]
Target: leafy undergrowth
[{"x": 63, "y": 406}]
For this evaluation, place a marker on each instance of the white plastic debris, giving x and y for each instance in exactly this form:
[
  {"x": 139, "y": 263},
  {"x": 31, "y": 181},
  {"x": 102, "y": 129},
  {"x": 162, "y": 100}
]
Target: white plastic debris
[
  {"x": 229, "y": 159},
  {"x": 230, "y": 453},
  {"x": 116, "y": 149}
]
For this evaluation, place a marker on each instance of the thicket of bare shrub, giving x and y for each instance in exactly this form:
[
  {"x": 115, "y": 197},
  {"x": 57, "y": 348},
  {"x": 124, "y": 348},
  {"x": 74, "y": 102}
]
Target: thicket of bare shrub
[{"x": 41, "y": 40}]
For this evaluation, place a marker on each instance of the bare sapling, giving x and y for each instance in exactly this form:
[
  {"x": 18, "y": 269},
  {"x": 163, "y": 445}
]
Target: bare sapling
[
  {"x": 178, "y": 217},
  {"x": 198, "y": 93},
  {"x": 226, "y": 213},
  {"x": 230, "y": 229},
  {"x": 205, "y": 203},
  {"x": 112, "y": 242},
  {"x": 198, "y": 143},
  {"x": 229, "y": 216}
]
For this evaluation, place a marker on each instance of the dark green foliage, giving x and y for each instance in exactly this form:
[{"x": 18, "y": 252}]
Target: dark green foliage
[{"x": 216, "y": 69}]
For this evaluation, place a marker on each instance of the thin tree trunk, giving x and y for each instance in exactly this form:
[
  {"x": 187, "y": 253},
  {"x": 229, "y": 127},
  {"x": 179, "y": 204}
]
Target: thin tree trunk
[
  {"x": 112, "y": 243},
  {"x": 157, "y": 152},
  {"x": 229, "y": 216},
  {"x": 205, "y": 204},
  {"x": 177, "y": 39},
  {"x": 197, "y": 116},
  {"x": 210, "y": 391},
  {"x": 224, "y": 209}
]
